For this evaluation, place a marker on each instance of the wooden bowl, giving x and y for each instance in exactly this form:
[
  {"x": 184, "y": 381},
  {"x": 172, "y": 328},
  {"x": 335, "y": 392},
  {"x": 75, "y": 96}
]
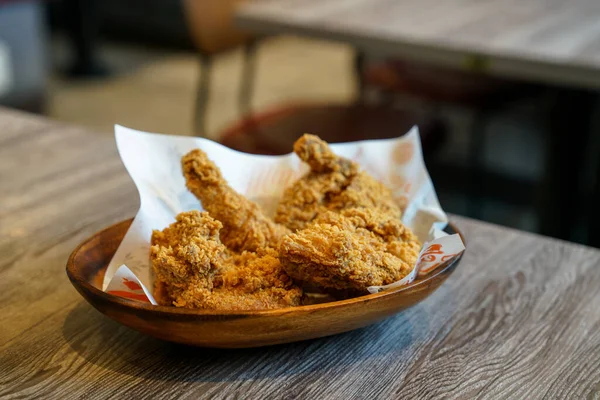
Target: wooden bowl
[{"x": 235, "y": 329}]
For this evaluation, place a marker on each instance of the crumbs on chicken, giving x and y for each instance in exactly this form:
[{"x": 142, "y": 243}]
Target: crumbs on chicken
[
  {"x": 349, "y": 251},
  {"x": 245, "y": 227},
  {"x": 194, "y": 269},
  {"x": 333, "y": 183}
]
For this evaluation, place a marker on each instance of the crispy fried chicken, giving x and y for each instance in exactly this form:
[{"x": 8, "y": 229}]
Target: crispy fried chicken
[
  {"x": 346, "y": 252},
  {"x": 333, "y": 184},
  {"x": 245, "y": 227},
  {"x": 194, "y": 269}
]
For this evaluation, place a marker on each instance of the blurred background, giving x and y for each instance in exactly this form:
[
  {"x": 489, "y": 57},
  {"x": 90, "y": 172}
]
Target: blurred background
[{"x": 184, "y": 67}]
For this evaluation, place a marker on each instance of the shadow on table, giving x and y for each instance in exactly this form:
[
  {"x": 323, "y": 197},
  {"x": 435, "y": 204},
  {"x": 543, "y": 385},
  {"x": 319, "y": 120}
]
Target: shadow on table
[{"x": 112, "y": 346}]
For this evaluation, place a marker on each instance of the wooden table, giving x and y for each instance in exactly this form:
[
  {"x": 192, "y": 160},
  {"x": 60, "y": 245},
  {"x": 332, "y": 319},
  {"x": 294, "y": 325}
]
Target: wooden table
[
  {"x": 519, "y": 318},
  {"x": 541, "y": 41}
]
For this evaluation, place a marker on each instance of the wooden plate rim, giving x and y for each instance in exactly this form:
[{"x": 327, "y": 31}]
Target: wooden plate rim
[{"x": 81, "y": 284}]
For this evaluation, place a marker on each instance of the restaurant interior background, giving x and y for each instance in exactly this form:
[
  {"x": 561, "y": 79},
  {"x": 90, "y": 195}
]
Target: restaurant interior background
[{"x": 137, "y": 63}]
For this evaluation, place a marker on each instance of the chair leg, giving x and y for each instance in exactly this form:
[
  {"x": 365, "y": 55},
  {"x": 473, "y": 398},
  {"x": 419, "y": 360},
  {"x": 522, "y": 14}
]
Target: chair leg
[
  {"x": 433, "y": 123},
  {"x": 594, "y": 213},
  {"x": 202, "y": 95},
  {"x": 429, "y": 120},
  {"x": 476, "y": 161},
  {"x": 82, "y": 23},
  {"x": 359, "y": 67},
  {"x": 248, "y": 77},
  {"x": 569, "y": 134},
  {"x": 593, "y": 232}
]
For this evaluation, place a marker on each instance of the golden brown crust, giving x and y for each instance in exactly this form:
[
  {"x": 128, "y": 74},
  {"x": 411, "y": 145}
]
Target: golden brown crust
[
  {"x": 186, "y": 254},
  {"x": 254, "y": 281},
  {"x": 333, "y": 184},
  {"x": 350, "y": 251},
  {"x": 316, "y": 153},
  {"x": 245, "y": 227},
  {"x": 194, "y": 269},
  {"x": 348, "y": 236}
]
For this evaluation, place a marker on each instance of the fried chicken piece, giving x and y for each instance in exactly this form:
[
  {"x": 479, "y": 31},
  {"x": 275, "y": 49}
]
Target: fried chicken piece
[
  {"x": 186, "y": 255},
  {"x": 333, "y": 183},
  {"x": 346, "y": 252},
  {"x": 254, "y": 281},
  {"x": 245, "y": 227},
  {"x": 194, "y": 269}
]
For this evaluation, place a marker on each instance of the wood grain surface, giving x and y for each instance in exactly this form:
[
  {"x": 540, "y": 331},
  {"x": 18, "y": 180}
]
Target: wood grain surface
[
  {"x": 519, "y": 319},
  {"x": 539, "y": 40}
]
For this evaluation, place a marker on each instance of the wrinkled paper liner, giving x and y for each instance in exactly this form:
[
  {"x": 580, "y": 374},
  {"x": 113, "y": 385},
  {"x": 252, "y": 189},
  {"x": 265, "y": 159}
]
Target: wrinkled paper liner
[{"x": 154, "y": 163}]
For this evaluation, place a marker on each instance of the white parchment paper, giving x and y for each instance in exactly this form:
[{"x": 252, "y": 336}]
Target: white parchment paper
[{"x": 153, "y": 161}]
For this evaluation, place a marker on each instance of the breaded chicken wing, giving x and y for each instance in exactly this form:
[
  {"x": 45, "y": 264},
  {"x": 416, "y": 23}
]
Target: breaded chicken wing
[
  {"x": 194, "y": 269},
  {"x": 333, "y": 183},
  {"x": 245, "y": 227},
  {"x": 346, "y": 252}
]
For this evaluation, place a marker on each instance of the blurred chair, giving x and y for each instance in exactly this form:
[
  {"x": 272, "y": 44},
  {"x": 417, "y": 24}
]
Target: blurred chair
[
  {"x": 274, "y": 132},
  {"x": 213, "y": 31},
  {"x": 485, "y": 96}
]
